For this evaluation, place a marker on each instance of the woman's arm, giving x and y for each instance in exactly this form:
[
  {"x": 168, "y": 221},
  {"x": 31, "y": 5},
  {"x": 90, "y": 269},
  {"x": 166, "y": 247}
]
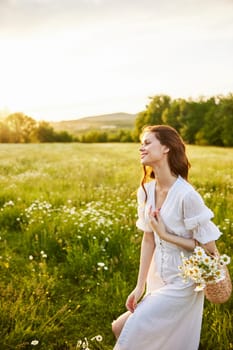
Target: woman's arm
[
  {"x": 147, "y": 250},
  {"x": 186, "y": 243}
]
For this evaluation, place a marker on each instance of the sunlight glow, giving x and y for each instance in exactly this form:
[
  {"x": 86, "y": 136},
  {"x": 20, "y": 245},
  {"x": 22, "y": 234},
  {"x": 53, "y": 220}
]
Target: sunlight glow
[{"x": 108, "y": 64}]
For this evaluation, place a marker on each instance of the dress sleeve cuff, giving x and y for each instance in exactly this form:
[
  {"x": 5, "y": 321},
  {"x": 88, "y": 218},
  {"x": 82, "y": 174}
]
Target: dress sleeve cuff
[
  {"x": 141, "y": 225},
  {"x": 206, "y": 233},
  {"x": 205, "y": 216}
]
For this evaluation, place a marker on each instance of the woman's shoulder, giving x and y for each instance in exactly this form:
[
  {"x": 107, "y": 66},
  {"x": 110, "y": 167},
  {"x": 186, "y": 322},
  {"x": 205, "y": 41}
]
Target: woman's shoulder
[
  {"x": 188, "y": 193},
  {"x": 184, "y": 191},
  {"x": 184, "y": 186}
]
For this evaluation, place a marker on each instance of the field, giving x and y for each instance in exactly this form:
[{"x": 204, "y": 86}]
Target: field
[{"x": 69, "y": 248}]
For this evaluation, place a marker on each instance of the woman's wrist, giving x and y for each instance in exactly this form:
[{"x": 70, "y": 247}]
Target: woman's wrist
[
  {"x": 140, "y": 285},
  {"x": 164, "y": 235}
]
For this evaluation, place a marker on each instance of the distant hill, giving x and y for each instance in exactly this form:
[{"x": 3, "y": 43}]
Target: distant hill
[{"x": 100, "y": 122}]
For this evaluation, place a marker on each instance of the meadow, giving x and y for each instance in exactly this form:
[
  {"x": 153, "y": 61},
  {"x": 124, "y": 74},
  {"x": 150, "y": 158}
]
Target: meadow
[{"x": 69, "y": 248}]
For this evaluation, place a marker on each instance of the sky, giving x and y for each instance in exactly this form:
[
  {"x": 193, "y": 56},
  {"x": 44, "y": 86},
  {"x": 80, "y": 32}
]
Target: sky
[{"x": 66, "y": 59}]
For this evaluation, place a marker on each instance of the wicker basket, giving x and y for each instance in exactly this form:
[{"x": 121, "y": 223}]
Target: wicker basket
[{"x": 220, "y": 292}]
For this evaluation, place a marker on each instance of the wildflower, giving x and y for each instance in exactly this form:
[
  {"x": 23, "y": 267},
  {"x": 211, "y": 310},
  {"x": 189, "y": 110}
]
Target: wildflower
[
  {"x": 207, "y": 260},
  {"x": 34, "y": 342},
  {"x": 9, "y": 204},
  {"x": 79, "y": 343},
  {"x": 43, "y": 255},
  {"x": 218, "y": 273},
  {"x": 200, "y": 253},
  {"x": 101, "y": 264},
  {"x": 203, "y": 269},
  {"x": 225, "y": 259},
  {"x": 98, "y": 338},
  {"x": 30, "y": 257}
]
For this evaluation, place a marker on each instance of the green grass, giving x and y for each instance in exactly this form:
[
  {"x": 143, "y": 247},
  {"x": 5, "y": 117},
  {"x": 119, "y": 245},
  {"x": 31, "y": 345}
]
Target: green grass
[{"x": 69, "y": 248}]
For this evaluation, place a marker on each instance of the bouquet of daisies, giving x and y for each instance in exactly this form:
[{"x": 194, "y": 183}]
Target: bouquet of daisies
[{"x": 202, "y": 268}]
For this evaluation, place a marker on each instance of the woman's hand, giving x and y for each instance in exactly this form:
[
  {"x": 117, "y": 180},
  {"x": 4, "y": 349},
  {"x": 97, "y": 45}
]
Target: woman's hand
[
  {"x": 158, "y": 226},
  {"x": 135, "y": 295},
  {"x": 210, "y": 247},
  {"x": 156, "y": 223}
]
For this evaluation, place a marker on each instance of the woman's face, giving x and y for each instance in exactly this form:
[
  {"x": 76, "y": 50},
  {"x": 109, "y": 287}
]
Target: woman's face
[{"x": 151, "y": 150}]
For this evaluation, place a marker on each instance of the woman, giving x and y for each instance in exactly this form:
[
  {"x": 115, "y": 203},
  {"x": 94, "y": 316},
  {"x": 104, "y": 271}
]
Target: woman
[{"x": 174, "y": 219}]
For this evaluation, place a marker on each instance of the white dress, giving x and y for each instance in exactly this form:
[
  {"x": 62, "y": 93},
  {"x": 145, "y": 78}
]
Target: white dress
[{"x": 170, "y": 315}]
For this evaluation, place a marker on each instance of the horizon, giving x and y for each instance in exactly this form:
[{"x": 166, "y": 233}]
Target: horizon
[
  {"x": 91, "y": 116},
  {"x": 95, "y": 57},
  {"x": 5, "y": 113}
]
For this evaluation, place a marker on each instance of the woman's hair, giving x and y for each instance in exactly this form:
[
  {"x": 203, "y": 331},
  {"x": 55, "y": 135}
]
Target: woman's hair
[{"x": 177, "y": 159}]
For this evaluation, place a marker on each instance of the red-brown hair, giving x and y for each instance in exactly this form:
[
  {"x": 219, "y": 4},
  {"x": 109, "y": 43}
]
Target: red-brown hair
[{"x": 177, "y": 159}]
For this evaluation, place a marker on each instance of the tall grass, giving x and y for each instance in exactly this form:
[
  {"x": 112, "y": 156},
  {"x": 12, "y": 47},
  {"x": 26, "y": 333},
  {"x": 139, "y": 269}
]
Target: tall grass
[{"x": 69, "y": 248}]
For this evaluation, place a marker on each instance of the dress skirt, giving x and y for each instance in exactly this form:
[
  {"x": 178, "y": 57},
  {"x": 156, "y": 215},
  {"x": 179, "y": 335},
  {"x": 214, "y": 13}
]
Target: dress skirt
[{"x": 167, "y": 319}]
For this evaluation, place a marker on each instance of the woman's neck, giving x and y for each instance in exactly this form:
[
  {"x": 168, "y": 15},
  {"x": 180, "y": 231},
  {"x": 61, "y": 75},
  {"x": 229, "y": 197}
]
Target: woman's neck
[{"x": 164, "y": 178}]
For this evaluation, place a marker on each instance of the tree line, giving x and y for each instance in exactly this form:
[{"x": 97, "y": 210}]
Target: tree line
[
  {"x": 202, "y": 122},
  {"x": 206, "y": 121},
  {"x": 20, "y": 128}
]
